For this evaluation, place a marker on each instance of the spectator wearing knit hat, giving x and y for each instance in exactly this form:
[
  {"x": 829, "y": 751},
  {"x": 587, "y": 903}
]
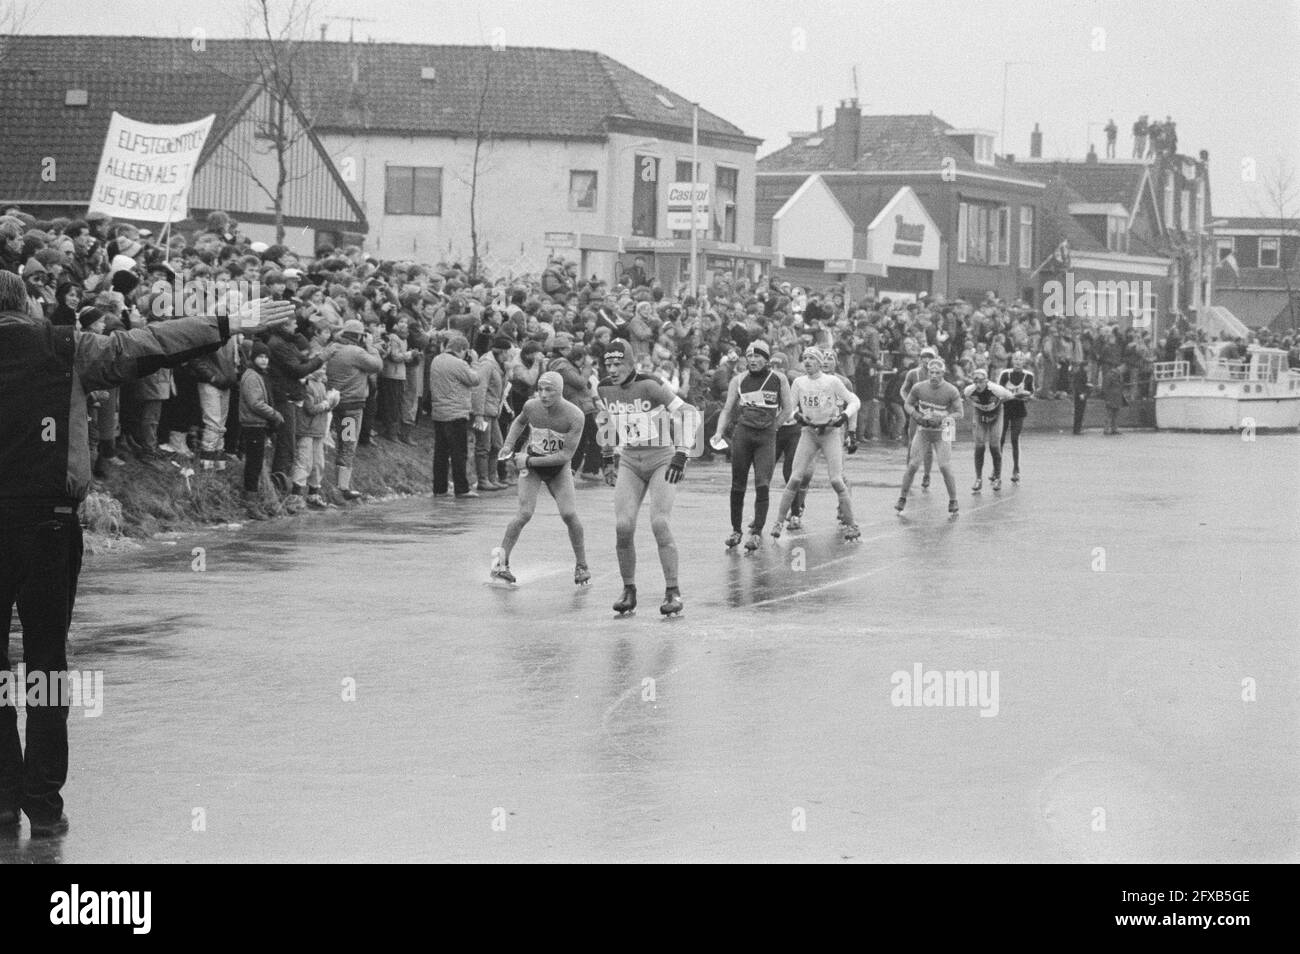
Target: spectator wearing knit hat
[
  {"x": 488, "y": 398},
  {"x": 348, "y": 372},
  {"x": 256, "y": 416},
  {"x": 451, "y": 391}
]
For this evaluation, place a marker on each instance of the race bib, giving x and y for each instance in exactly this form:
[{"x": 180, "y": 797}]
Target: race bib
[{"x": 545, "y": 441}]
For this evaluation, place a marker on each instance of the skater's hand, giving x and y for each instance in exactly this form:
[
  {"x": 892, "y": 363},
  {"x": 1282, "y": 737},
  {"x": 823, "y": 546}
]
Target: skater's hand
[
  {"x": 609, "y": 469},
  {"x": 676, "y": 468},
  {"x": 521, "y": 461},
  {"x": 839, "y": 420}
]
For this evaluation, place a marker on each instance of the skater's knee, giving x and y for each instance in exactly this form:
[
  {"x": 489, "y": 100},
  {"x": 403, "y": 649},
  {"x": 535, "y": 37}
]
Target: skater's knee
[
  {"x": 662, "y": 530},
  {"x": 570, "y": 518},
  {"x": 839, "y": 486},
  {"x": 624, "y": 531}
]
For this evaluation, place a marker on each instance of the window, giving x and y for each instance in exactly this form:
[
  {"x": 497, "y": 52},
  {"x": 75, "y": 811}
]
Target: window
[
  {"x": 1185, "y": 210},
  {"x": 1268, "y": 252},
  {"x": 1169, "y": 204},
  {"x": 1200, "y": 206},
  {"x": 984, "y": 150},
  {"x": 963, "y": 220},
  {"x": 984, "y": 234},
  {"x": 724, "y": 204},
  {"x": 582, "y": 190},
  {"x": 413, "y": 190},
  {"x": 645, "y": 196},
  {"x": 1225, "y": 248},
  {"x": 1026, "y": 236},
  {"x": 1116, "y": 233},
  {"x": 683, "y": 174}
]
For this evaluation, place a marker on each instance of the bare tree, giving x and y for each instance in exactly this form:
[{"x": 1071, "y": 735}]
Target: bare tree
[
  {"x": 480, "y": 136},
  {"x": 1282, "y": 205},
  {"x": 13, "y": 19},
  {"x": 283, "y": 123}
]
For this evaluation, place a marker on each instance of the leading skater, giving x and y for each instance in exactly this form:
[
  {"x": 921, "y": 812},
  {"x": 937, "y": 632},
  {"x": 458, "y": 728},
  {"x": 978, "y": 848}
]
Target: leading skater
[
  {"x": 554, "y": 435},
  {"x": 645, "y": 432}
]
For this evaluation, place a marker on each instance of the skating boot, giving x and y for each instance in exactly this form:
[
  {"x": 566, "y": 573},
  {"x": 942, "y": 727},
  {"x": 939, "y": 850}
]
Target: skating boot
[
  {"x": 1015, "y": 476},
  {"x": 753, "y": 541},
  {"x": 672, "y": 604},
  {"x": 626, "y": 604},
  {"x": 978, "y": 486},
  {"x": 795, "y": 522},
  {"x": 581, "y": 575},
  {"x": 925, "y": 481},
  {"x": 851, "y": 532},
  {"x": 733, "y": 540},
  {"x": 997, "y": 483},
  {"x": 902, "y": 502},
  {"x": 776, "y": 530},
  {"x": 500, "y": 568},
  {"x": 952, "y": 506}
]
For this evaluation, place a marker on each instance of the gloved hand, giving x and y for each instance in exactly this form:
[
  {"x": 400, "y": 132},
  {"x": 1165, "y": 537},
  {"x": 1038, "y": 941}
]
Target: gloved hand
[
  {"x": 609, "y": 469},
  {"x": 676, "y": 468},
  {"x": 852, "y": 446},
  {"x": 800, "y": 419},
  {"x": 839, "y": 420}
]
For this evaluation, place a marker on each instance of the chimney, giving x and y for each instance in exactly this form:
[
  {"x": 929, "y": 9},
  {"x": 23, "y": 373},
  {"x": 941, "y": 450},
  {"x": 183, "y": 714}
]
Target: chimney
[
  {"x": 1036, "y": 143},
  {"x": 1010, "y": 157},
  {"x": 1092, "y": 154},
  {"x": 848, "y": 131},
  {"x": 819, "y": 119}
]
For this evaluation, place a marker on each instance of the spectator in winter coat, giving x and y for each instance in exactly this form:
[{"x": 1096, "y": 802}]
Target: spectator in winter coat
[
  {"x": 288, "y": 368},
  {"x": 392, "y": 380},
  {"x": 348, "y": 372},
  {"x": 216, "y": 374},
  {"x": 256, "y": 416},
  {"x": 489, "y": 394},
  {"x": 451, "y": 391},
  {"x": 309, "y": 461}
]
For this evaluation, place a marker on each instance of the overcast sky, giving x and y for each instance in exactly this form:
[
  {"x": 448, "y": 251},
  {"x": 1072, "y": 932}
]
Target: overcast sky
[{"x": 1225, "y": 71}]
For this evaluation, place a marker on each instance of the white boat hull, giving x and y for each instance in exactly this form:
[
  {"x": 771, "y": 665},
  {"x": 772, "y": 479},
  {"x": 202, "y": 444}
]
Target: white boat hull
[{"x": 1197, "y": 404}]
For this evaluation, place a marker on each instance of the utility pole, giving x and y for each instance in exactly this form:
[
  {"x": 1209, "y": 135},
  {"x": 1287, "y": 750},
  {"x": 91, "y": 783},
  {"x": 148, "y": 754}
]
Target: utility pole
[{"x": 695, "y": 174}]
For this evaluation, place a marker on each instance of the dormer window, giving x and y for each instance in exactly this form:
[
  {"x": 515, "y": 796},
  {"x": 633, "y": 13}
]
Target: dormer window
[
  {"x": 984, "y": 149},
  {"x": 1116, "y": 233},
  {"x": 978, "y": 142}
]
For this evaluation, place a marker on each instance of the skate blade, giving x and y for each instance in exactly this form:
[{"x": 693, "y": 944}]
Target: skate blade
[
  {"x": 503, "y": 584},
  {"x": 670, "y": 617},
  {"x": 626, "y": 614}
]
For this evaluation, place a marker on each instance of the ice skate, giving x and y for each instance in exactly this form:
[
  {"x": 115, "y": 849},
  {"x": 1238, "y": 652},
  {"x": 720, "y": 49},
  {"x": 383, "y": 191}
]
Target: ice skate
[
  {"x": 952, "y": 507},
  {"x": 753, "y": 541},
  {"x": 733, "y": 541},
  {"x": 978, "y": 485},
  {"x": 851, "y": 532},
  {"x": 581, "y": 575},
  {"x": 671, "y": 607},
  {"x": 626, "y": 605},
  {"x": 795, "y": 522},
  {"x": 500, "y": 568},
  {"x": 996, "y": 483},
  {"x": 1015, "y": 476},
  {"x": 925, "y": 482},
  {"x": 776, "y": 530},
  {"x": 902, "y": 502}
]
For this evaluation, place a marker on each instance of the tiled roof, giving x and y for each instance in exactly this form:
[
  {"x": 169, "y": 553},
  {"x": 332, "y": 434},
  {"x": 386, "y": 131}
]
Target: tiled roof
[
  {"x": 888, "y": 143},
  {"x": 531, "y": 91},
  {"x": 38, "y": 127},
  {"x": 1257, "y": 222},
  {"x": 1094, "y": 181}
]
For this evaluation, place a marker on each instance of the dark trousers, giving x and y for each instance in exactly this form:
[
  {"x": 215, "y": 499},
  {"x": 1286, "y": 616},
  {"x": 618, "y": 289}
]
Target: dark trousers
[
  {"x": 450, "y": 449},
  {"x": 40, "y": 560},
  {"x": 369, "y": 415},
  {"x": 1080, "y": 392},
  {"x": 751, "y": 447},
  {"x": 254, "y": 456},
  {"x": 390, "y": 406},
  {"x": 286, "y": 444},
  {"x": 587, "y": 459}
]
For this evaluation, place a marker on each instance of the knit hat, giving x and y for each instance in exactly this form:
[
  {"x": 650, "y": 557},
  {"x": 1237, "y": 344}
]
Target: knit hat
[
  {"x": 305, "y": 292},
  {"x": 259, "y": 349},
  {"x": 353, "y": 327},
  {"x": 618, "y": 348},
  {"x": 759, "y": 346},
  {"x": 88, "y": 316},
  {"x": 501, "y": 341}
]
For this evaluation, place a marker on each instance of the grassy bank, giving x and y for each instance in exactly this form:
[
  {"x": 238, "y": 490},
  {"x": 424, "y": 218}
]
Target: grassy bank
[{"x": 143, "y": 499}]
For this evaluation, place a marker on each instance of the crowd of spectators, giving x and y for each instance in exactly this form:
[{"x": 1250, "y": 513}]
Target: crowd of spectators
[{"x": 378, "y": 346}]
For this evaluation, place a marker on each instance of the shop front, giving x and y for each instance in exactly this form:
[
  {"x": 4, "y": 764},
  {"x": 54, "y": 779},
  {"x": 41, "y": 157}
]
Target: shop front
[{"x": 669, "y": 261}]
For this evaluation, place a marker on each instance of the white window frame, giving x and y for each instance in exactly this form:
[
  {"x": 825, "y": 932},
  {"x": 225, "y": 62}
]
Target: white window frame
[
  {"x": 1004, "y": 235},
  {"x": 1276, "y": 245},
  {"x": 1185, "y": 211},
  {"x": 1169, "y": 204},
  {"x": 595, "y": 201},
  {"x": 1026, "y": 236},
  {"x": 718, "y": 167},
  {"x": 963, "y": 219},
  {"x": 984, "y": 150}
]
